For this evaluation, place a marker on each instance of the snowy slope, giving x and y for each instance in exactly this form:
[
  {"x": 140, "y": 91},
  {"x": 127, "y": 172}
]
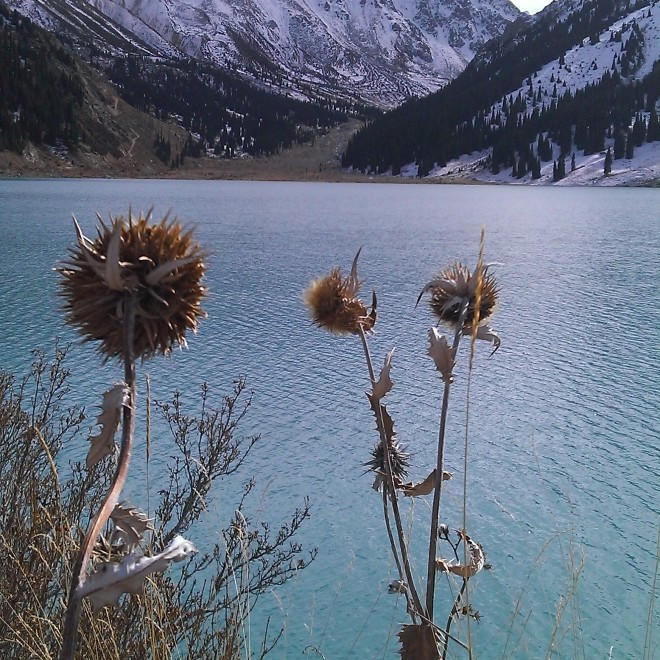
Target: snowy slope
[
  {"x": 84, "y": 23},
  {"x": 583, "y": 64},
  {"x": 378, "y": 51},
  {"x": 586, "y": 63}
]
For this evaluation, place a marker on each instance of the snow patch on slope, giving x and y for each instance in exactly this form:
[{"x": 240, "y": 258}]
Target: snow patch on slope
[{"x": 583, "y": 64}]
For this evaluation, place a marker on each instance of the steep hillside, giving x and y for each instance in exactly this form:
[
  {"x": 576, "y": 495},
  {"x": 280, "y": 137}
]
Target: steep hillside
[
  {"x": 57, "y": 110},
  {"x": 374, "y": 51},
  {"x": 570, "y": 85}
]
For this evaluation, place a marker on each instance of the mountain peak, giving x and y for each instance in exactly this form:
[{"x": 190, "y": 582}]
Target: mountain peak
[{"x": 376, "y": 51}]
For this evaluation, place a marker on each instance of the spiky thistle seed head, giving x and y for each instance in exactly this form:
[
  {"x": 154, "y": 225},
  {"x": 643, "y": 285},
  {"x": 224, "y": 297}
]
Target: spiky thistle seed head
[
  {"x": 455, "y": 284},
  {"x": 159, "y": 266},
  {"x": 333, "y": 303},
  {"x": 399, "y": 460}
]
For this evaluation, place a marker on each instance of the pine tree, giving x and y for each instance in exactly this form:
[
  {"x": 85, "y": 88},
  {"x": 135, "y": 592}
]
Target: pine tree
[
  {"x": 619, "y": 144},
  {"x": 639, "y": 130},
  {"x": 573, "y": 162},
  {"x": 607, "y": 168},
  {"x": 561, "y": 167},
  {"x": 653, "y": 129},
  {"x": 630, "y": 147}
]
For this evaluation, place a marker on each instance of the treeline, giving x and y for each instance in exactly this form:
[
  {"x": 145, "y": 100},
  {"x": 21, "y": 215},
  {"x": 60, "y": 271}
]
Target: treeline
[
  {"x": 457, "y": 119},
  {"x": 224, "y": 113},
  {"x": 42, "y": 94},
  {"x": 40, "y": 90}
]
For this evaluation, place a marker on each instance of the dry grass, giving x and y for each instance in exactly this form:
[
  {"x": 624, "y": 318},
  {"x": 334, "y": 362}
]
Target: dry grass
[{"x": 201, "y": 610}]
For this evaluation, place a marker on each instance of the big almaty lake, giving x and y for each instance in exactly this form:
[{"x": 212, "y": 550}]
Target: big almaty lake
[{"x": 564, "y": 420}]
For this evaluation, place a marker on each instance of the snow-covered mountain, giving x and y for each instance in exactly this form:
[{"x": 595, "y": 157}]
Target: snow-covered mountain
[
  {"x": 580, "y": 66},
  {"x": 378, "y": 51},
  {"x": 580, "y": 83}
]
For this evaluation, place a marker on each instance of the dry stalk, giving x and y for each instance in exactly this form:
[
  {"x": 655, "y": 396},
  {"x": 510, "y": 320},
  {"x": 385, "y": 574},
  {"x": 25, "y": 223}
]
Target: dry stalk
[
  {"x": 389, "y": 489},
  {"x": 72, "y": 616},
  {"x": 440, "y": 457}
]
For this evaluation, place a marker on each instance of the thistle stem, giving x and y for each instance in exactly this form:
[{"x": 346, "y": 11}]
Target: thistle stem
[
  {"x": 435, "y": 511},
  {"x": 74, "y": 605},
  {"x": 391, "y": 491},
  {"x": 452, "y": 614}
]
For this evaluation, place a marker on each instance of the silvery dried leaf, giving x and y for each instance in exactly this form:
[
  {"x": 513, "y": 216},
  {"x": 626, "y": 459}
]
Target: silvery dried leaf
[
  {"x": 442, "y": 564},
  {"x": 109, "y": 581},
  {"x": 130, "y": 525},
  {"x": 442, "y": 354},
  {"x": 103, "y": 444},
  {"x": 384, "y": 383},
  {"x": 379, "y": 480},
  {"x": 486, "y": 333},
  {"x": 425, "y": 487}
]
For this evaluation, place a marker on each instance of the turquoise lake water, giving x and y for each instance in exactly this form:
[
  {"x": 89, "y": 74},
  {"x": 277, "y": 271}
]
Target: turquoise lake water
[{"x": 564, "y": 420}]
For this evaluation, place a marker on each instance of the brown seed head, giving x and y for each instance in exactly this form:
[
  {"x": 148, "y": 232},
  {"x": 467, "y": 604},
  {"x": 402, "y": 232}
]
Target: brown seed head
[
  {"x": 455, "y": 284},
  {"x": 158, "y": 265},
  {"x": 333, "y": 304}
]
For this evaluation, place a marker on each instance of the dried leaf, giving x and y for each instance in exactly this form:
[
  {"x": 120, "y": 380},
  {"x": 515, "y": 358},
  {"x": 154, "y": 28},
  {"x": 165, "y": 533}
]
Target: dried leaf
[
  {"x": 388, "y": 422},
  {"x": 477, "y": 560},
  {"x": 419, "y": 642},
  {"x": 486, "y": 333},
  {"x": 379, "y": 480},
  {"x": 109, "y": 581},
  {"x": 425, "y": 487},
  {"x": 384, "y": 383},
  {"x": 103, "y": 444},
  {"x": 442, "y": 564},
  {"x": 442, "y": 354},
  {"x": 130, "y": 525}
]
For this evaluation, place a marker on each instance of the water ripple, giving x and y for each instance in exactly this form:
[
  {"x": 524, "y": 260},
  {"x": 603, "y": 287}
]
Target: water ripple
[{"x": 564, "y": 430}]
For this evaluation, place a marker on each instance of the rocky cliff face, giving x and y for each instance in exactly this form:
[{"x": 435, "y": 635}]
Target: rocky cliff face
[{"x": 378, "y": 51}]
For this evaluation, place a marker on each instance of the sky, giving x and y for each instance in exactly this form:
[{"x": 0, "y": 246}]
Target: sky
[{"x": 532, "y": 6}]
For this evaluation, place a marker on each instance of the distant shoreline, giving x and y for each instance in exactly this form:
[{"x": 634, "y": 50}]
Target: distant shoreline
[{"x": 315, "y": 161}]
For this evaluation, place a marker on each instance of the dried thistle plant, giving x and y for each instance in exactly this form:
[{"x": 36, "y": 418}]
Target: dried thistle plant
[
  {"x": 137, "y": 290},
  {"x": 464, "y": 300},
  {"x": 334, "y": 306},
  {"x": 455, "y": 284},
  {"x": 157, "y": 267}
]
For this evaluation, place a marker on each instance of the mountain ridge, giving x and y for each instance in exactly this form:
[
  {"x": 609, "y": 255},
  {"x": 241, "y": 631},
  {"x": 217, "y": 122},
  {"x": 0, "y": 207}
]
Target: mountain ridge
[{"x": 375, "y": 51}]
